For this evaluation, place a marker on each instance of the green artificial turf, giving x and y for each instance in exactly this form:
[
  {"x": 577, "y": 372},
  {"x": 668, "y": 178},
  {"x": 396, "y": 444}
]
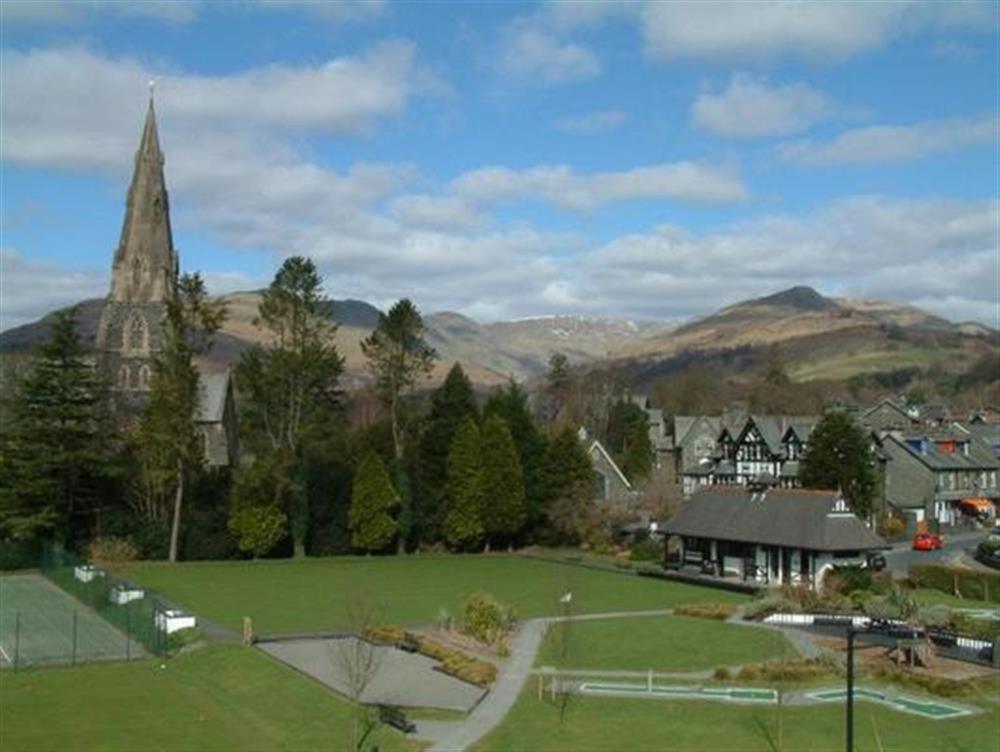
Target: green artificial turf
[
  {"x": 661, "y": 643},
  {"x": 311, "y": 594},
  {"x": 218, "y": 698},
  {"x": 597, "y": 724}
]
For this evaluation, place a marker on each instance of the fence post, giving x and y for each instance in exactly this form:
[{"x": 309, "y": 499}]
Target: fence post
[
  {"x": 128, "y": 631},
  {"x": 74, "y": 636},
  {"x": 17, "y": 641}
]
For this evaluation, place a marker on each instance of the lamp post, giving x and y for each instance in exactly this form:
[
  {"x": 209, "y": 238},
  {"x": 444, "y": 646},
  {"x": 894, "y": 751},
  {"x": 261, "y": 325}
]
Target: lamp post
[{"x": 851, "y": 632}]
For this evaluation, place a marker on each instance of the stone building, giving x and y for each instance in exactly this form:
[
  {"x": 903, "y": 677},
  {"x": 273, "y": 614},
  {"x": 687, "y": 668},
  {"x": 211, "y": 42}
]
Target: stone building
[{"x": 143, "y": 278}]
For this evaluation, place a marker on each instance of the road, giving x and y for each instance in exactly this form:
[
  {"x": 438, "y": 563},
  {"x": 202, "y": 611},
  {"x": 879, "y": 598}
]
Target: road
[{"x": 957, "y": 546}]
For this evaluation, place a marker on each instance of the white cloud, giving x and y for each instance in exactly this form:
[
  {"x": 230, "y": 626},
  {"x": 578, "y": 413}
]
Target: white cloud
[
  {"x": 435, "y": 211},
  {"x": 562, "y": 187},
  {"x": 334, "y": 11},
  {"x": 931, "y": 251},
  {"x": 30, "y": 288},
  {"x": 749, "y": 107},
  {"x": 810, "y": 31},
  {"x": 893, "y": 143},
  {"x": 593, "y": 122},
  {"x": 530, "y": 50}
]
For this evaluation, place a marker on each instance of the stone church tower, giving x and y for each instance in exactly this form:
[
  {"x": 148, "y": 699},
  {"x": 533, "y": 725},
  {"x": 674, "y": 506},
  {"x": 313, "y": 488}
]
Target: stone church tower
[{"x": 143, "y": 277}]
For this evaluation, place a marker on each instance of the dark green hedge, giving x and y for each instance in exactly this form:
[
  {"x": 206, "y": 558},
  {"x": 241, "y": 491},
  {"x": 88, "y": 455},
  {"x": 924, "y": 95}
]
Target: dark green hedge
[{"x": 981, "y": 586}]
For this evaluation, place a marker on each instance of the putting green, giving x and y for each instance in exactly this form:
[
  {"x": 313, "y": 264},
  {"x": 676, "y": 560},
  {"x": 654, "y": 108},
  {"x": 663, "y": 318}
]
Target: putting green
[
  {"x": 725, "y": 694},
  {"x": 925, "y": 708}
]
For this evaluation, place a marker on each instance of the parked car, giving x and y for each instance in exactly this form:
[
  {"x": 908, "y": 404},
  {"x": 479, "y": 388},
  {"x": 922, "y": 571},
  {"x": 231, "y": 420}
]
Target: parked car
[{"x": 927, "y": 542}]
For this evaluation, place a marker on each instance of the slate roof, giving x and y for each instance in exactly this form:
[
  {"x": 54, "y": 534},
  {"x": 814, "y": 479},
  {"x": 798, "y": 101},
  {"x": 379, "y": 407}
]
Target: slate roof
[
  {"x": 794, "y": 518},
  {"x": 980, "y": 457},
  {"x": 212, "y": 389}
]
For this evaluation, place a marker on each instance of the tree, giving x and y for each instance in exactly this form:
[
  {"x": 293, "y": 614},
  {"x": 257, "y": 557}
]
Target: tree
[
  {"x": 258, "y": 529},
  {"x": 511, "y": 404},
  {"x": 558, "y": 385},
  {"x": 56, "y": 446},
  {"x": 839, "y": 457},
  {"x": 397, "y": 355},
  {"x": 357, "y": 660},
  {"x": 463, "y": 525},
  {"x": 373, "y": 501},
  {"x": 258, "y": 495},
  {"x": 169, "y": 445},
  {"x": 502, "y": 486},
  {"x": 568, "y": 477},
  {"x": 289, "y": 385},
  {"x": 628, "y": 439},
  {"x": 451, "y": 403}
]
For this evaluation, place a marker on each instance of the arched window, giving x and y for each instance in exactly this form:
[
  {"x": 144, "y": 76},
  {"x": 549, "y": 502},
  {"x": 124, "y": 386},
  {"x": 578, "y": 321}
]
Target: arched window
[
  {"x": 123, "y": 377},
  {"x": 144, "y": 375},
  {"x": 135, "y": 334}
]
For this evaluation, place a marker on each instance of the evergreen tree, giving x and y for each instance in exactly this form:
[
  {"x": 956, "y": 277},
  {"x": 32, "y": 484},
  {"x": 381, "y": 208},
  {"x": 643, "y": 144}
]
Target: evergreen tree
[
  {"x": 511, "y": 404},
  {"x": 558, "y": 385},
  {"x": 289, "y": 386},
  {"x": 628, "y": 440},
  {"x": 451, "y": 403},
  {"x": 502, "y": 486},
  {"x": 397, "y": 356},
  {"x": 373, "y": 502},
  {"x": 463, "y": 524},
  {"x": 169, "y": 446},
  {"x": 568, "y": 481},
  {"x": 839, "y": 457},
  {"x": 56, "y": 444}
]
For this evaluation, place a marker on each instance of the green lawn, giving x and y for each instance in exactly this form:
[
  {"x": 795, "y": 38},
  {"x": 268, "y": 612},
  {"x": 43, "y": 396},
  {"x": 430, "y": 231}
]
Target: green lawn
[
  {"x": 928, "y": 597},
  {"x": 309, "y": 594},
  {"x": 219, "y": 698},
  {"x": 661, "y": 643},
  {"x": 597, "y": 724}
]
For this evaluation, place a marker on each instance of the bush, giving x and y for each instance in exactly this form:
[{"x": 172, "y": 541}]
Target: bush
[
  {"x": 770, "y": 604},
  {"x": 895, "y": 605},
  {"x": 798, "y": 670},
  {"x": 721, "y": 674},
  {"x": 111, "y": 552},
  {"x": 847, "y": 579},
  {"x": 486, "y": 619},
  {"x": 891, "y": 526},
  {"x": 646, "y": 550},
  {"x": 184, "y": 637},
  {"x": 967, "y": 583},
  {"x": 258, "y": 529},
  {"x": 936, "y": 685},
  {"x": 719, "y": 611},
  {"x": 19, "y": 554},
  {"x": 385, "y": 634}
]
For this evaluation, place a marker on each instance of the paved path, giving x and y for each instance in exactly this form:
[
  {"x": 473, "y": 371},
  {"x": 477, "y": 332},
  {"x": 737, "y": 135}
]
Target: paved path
[{"x": 456, "y": 736}]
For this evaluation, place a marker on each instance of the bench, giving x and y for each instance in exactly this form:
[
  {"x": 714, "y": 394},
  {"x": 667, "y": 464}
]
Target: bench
[{"x": 393, "y": 716}]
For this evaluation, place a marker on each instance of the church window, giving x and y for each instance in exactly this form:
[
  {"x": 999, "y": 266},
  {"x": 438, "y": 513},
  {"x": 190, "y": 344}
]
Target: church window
[
  {"x": 136, "y": 275},
  {"x": 136, "y": 334},
  {"x": 123, "y": 377},
  {"x": 144, "y": 377}
]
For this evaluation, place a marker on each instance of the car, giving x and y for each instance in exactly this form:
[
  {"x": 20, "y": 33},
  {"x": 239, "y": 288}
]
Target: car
[{"x": 927, "y": 542}]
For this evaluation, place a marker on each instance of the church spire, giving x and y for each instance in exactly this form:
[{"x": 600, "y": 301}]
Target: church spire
[{"x": 145, "y": 265}]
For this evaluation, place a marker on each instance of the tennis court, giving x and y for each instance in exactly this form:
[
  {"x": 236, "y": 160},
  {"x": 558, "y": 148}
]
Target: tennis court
[{"x": 41, "y": 624}]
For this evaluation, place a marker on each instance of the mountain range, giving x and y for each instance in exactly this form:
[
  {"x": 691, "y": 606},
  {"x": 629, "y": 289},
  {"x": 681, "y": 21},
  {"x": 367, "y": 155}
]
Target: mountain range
[{"x": 819, "y": 337}]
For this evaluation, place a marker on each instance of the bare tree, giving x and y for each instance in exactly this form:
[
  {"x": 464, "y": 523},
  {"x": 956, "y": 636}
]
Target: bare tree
[{"x": 357, "y": 661}]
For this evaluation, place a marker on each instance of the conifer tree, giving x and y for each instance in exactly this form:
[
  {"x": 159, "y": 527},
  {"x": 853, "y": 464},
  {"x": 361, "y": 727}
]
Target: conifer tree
[
  {"x": 511, "y": 404},
  {"x": 502, "y": 486},
  {"x": 451, "y": 403},
  {"x": 373, "y": 501},
  {"x": 56, "y": 445},
  {"x": 463, "y": 523},
  {"x": 568, "y": 478},
  {"x": 839, "y": 457},
  {"x": 628, "y": 439}
]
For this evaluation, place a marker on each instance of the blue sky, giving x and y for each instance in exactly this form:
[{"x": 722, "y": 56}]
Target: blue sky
[{"x": 639, "y": 160}]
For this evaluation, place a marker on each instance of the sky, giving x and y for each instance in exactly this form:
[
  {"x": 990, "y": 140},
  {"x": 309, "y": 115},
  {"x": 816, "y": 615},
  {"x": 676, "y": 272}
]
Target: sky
[{"x": 503, "y": 160}]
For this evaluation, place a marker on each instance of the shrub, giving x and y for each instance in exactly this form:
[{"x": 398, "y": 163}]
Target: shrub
[
  {"x": 184, "y": 637},
  {"x": 111, "y": 552},
  {"x": 967, "y": 583},
  {"x": 486, "y": 619},
  {"x": 258, "y": 529},
  {"x": 936, "y": 685},
  {"x": 894, "y": 605},
  {"x": 890, "y": 526},
  {"x": 798, "y": 670},
  {"x": 770, "y": 604},
  {"x": 646, "y": 550},
  {"x": 847, "y": 578},
  {"x": 719, "y": 611},
  {"x": 721, "y": 673},
  {"x": 385, "y": 634},
  {"x": 458, "y": 664}
]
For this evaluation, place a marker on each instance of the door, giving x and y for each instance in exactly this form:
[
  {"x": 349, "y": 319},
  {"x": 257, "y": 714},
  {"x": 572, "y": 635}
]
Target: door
[{"x": 786, "y": 564}]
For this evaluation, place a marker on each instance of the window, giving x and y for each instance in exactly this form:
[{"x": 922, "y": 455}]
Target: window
[
  {"x": 137, "y": 333},
  {"x": 144, "y": 375},
  {"x": 136, "y": 275},
  {"x": 123, "y": 377}
]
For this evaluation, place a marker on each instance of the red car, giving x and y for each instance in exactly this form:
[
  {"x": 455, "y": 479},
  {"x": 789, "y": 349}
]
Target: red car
[{"x": 927, "y": 542}]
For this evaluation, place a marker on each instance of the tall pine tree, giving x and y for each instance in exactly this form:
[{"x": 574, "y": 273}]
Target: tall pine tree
[
  {"x": 373, "y": 501},
  {"x": 569, "y": 479},
  {"x": 502, "y": 494},
  {"x": 57, "y": 443},
  {"x": 511, "y": 404},
  {"x": 463, "y": 520},
  {"x": 451, "y": 403},
  {"x": 839, "y": 457}
]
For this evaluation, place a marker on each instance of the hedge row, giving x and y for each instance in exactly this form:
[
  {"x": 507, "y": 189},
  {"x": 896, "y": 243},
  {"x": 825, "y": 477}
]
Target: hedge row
[
  {"x": 453, "y": 662},
  {"x": 967, "y": 583}
]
